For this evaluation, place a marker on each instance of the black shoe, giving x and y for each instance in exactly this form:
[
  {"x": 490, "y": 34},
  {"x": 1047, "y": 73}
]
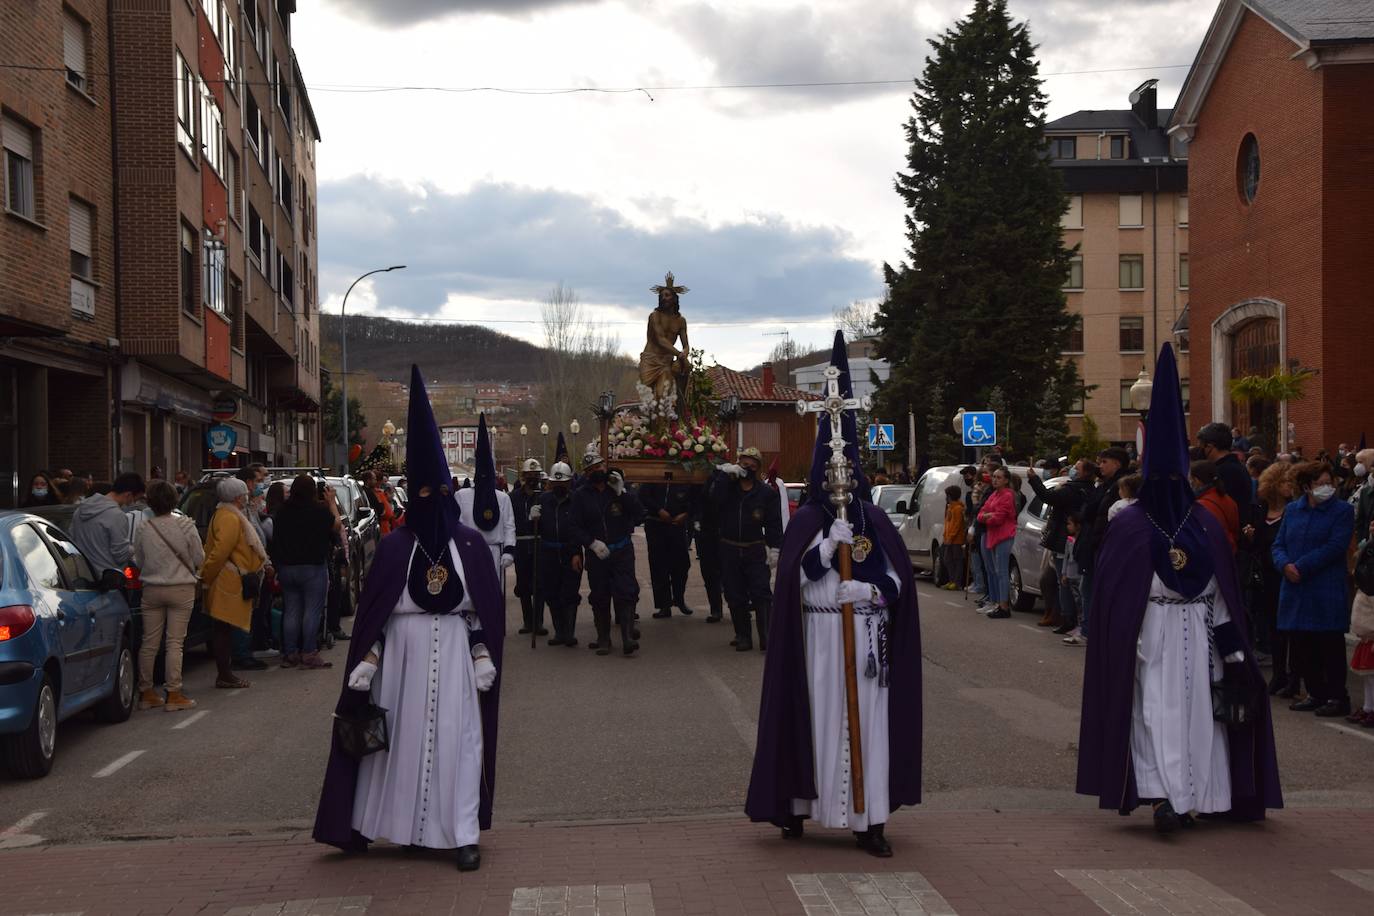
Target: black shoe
[
  {"x": 1166, "y": 819},
  {"x": 1064, "y": 630},
  {"x": 743, "y": 646},
  {"x": 636, "y": 615},
  {"x": 340, "y": 636},
  {"x": 662, "y": 613},
  {"x": 714, "y": 618},
  {"x": 873, "y": 842},
  {"x": 686, "y": 611},
  {"x": 555, "y": 641},
  {"x": 1308, "y": 705},
  {"x": 540, "y": 632},
  {"x": 794, "y": 828},
  {"x": 1000, "y": 613},
  {"x": 469, "y": 858},
  {"x": 248, "y": 664},
  {"x": 571, "y": 643},
  {"x": 524, "y": 631},
  {"x": 1277, "y": 686},
  {"x": 600, "y": 648},
  {"x": 630, "y": 648},
  {"x": 1333, "y": 709},
  {"x": 634, "y": 633}
]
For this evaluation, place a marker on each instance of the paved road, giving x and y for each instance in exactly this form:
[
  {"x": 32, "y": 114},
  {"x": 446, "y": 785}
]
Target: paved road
[{"x": 665, "y": 734}]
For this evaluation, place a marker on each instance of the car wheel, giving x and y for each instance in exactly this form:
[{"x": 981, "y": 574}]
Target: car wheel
[
  {"x": 119, "y": 705},
  {"x": 29, "y": 755},
  {"x": 1018, "y": 597}
]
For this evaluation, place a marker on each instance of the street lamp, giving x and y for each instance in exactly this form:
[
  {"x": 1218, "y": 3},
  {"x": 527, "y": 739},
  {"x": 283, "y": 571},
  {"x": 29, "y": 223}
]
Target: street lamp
[
  {"x": 343, "y": 346},
  {"x": 959, "y": 423},
  {"x": 574, "y": 427},
  {"x": 544, "y": 428},
  {"x": 524, "y": 450},
  {"x": 1141, "y": 392}
]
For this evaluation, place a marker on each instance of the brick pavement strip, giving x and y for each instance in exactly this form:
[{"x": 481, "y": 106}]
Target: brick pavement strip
[{"x": 1311, "y": 862}]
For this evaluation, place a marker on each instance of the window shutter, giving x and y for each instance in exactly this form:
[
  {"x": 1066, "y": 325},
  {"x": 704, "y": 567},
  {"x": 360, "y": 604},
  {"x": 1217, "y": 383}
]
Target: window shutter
[
  {"x": 73, "y": 44},
  {"x": 82, "y": 231},
  {"x": 18, "y": 138}
]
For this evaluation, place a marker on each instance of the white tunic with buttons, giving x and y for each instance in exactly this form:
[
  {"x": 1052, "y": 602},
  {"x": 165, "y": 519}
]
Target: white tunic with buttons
[
  {"x": 426, "y": 790},
  {"x": 499, "y": 538},
  {"x": 834, "y": 803}
]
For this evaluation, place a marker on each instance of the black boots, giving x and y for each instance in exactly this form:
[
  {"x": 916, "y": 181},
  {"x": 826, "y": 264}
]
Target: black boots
[
  {"x": 602, "y": 618},
  {"x": 793, "y": 828},
  {"x": 873, "y": 842},
  {"x": 629, "y": 634},
  {"x": 765, "y": 615},
  {"x": 469, "y": 858}
]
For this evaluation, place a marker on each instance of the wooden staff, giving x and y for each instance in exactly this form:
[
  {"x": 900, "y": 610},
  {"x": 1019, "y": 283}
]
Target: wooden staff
[{"x": 851, "y": 680}]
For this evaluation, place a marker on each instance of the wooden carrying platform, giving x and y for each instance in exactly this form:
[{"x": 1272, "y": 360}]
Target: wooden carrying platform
[{"x": 658, "y": 470}]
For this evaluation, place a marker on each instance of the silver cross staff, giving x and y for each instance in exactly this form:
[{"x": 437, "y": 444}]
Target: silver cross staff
[{"x": 839, "y": 476}]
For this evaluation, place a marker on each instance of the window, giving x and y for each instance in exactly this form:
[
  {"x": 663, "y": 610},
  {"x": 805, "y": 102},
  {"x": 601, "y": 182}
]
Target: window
[
  {"x": 283, "y": 93},
  {"x": 229, "y": 40},
  {"x": 1183, "y": 271},
  {"x": 1075, "y": 279},
  {"x": 1131, "y": 210},
  {"x": 287, "y": 275},
  {"x": 81, "y": 222},
  {"x": 306, "y": 283},
  {"x": 1186, "y": 394},
  {"x": 1178, "y": 146},
  {"x": 1073, "y": 216},
  {"x": 211, "y": 130},
  {"x": 74, "y": 42},
  {"x": 1079, "y": 405},
  {"x": 284, "y": 187},
  {"x": 257, "y": 28},
  {"x": 1064, "y": 147},
  {"x": 268, "y": 254},
  {"x": 253, "y": 122},
  {"x": 75, "y": 566},
  {"x": 18, "y": 140},
  {"x": 1182, "y": 209},
  {"x": 763, "y": 436},
  {"x": 212, "y": 274},
  {"x": 186, "y": 106},
  {"x": 212, "y": 13},
  {"x": 254, "y": 233},
  {"x": 1248, "y": 168},
  {"x": 189, "y": 267},
  {"x": 36, "y": 557},
  {"x": 231, "y": 183},
  {"x": 1126, "y": 405},
  {"x": 1132, "y": 268},
  {"x": 1075, "y": 341},
  {"x": 1118, "y": 150},
  {"x": 1132, "y": 334}
]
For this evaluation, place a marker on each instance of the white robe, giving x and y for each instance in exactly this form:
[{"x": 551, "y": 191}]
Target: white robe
[
  {"x": 1178, "y": 750},
  {"x": 834, "y": 804},
  {"x": 425, "y": 790},
  {"x": 501, "y": 536}
]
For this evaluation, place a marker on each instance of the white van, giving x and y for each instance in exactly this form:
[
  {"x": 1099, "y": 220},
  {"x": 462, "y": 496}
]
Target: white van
[{"x": 923, "y": 526}]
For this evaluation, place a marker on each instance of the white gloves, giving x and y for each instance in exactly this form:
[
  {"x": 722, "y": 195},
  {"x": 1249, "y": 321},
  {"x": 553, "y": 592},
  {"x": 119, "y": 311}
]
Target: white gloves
[
  {"x": 841, "y": 532},
  {"x": 507, "y": 561},
  {"x": 361, "y": 677},
  {"x": 733, "y": 470},
  {"x": 601, "y": 550},
  {"x": 535, "y": 513},
  {"x": 772, "y": 558},
  {"x": 616, "y": 481},
  {"x": 1237, "y": 656},
  {"x": 855, "y": 592},
  {"x": 485, "y": 671}
]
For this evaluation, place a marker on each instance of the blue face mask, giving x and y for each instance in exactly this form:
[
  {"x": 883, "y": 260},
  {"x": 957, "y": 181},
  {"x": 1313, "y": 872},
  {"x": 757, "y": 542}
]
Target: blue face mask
[
  {"x": 40, "y": 492},
  {"x": 1073, "y": 473},
  {"x": 260, "y": 490}
]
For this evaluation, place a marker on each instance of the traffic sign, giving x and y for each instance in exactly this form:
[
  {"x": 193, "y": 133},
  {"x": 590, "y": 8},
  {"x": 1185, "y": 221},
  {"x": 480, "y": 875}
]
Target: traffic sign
[
  {"x": 221, "y": 441},
  {"x": 980, "y": 428},
  {"x": 882, "y": 437},
  {"x": 225, "y": 408}
]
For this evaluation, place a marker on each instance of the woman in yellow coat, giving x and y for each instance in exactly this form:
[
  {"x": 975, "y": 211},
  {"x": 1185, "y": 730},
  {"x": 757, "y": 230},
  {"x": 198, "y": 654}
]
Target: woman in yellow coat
[{"x": 233, "y": 553}]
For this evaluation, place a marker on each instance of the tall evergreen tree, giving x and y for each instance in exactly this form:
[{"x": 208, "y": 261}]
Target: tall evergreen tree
[{"x": 979, "y": 303}]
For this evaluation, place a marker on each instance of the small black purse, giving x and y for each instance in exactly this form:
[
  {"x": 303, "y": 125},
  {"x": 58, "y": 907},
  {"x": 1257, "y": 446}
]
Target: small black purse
[
  {"x": 363, "y": 732},
  {"x": 1233, "y": 705}
]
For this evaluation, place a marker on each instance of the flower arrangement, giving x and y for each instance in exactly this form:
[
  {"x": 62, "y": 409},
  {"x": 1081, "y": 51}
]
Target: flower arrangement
[
  {"x": 688, "y": 442},
  {"x": 654, "y": 408}
]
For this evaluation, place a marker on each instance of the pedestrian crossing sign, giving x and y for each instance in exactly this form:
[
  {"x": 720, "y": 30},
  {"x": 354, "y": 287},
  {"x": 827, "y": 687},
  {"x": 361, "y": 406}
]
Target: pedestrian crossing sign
[{"x": 882, "y": 437}]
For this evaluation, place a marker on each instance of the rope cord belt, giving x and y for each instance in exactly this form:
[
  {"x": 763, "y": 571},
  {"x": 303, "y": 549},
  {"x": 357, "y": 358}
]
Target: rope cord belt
[{"x": 875, "y": 625}]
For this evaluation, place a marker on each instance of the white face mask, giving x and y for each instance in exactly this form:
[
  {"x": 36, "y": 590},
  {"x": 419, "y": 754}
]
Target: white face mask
[
  {"x": 1323, "y": 493},
  {"x": 1361, "y": 470}
]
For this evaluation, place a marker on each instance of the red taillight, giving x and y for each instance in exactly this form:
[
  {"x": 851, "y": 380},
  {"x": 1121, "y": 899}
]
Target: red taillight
[
  {"x": 131, "y": 578},
  {"x": 15, "y": 621}
]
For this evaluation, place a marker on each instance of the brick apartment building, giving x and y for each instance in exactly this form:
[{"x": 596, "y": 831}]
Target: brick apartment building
[
  {"x": 185, "y": 195},
  {"x": 1277, "y": 112},
  {"x": 1128, "y": 285}
]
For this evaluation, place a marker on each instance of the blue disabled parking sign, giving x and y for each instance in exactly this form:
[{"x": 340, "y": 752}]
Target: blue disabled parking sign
[
  {"x": 980, "y": 428},
  {"x": 882, "y": 437}
]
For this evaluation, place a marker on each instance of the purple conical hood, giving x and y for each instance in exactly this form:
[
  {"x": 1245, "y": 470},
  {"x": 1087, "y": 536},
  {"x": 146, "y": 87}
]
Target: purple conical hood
[
  {"x": 839, "y": 358},
  {"x": 486, "y": 510}
]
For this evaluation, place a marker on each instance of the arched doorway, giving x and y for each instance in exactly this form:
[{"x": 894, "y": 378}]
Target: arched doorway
[{"x": 1255, "y": 350}]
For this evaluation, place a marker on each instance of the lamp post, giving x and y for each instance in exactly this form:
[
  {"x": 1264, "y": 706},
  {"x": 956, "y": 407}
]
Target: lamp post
[
  {"x": 343, "y": 347},
  {"x": 544, "y": 429},
  {"x": 574, "y": 427},
  {"x": 604, "y": 410},
  {"x": 1141, "y": 392},
  {"x": 524, "y": 449},
  {"x": 729, "y": 412}
]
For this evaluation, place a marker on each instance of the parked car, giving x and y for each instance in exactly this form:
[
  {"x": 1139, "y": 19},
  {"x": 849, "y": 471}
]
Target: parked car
[
  {"x": 893, "y": 498},
  {"x": 922, "y": 527},
  {"x": 364, "y": 533},
  {"x": 66, "y": 642},
  {"x": 1028, "y": 559}
]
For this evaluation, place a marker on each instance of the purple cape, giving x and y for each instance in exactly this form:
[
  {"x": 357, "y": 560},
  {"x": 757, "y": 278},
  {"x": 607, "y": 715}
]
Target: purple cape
[
  {"x": 385, "y": 582},
  {"x": 1122, "y": 577},
  {"x": 784, "y": 760}
]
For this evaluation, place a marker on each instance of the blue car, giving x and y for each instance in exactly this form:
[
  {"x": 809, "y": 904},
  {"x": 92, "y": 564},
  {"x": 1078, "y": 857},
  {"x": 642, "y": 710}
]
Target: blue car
[{"x": 65, "y": 642}]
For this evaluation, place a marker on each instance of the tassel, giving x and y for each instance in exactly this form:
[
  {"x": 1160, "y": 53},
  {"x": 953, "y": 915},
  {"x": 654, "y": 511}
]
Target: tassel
[
  {"x": 883, "y": 675},
  {"x": 871, "y": 669}
]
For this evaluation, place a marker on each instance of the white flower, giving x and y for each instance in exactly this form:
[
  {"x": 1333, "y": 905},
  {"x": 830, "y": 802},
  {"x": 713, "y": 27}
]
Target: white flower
[
  {"x": 699, "y": 448},
  {"x": 717, "y": 448},
  {"x": 672, "y": 452}
]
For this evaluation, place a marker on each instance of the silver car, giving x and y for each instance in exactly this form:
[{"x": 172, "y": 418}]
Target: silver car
[
  {"x": 890, "y": 497},
  {"x": 1028, "y": 559}
]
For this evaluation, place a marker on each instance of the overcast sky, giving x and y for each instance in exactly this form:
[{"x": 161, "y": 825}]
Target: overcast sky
[{"x": 774, "y": 205}]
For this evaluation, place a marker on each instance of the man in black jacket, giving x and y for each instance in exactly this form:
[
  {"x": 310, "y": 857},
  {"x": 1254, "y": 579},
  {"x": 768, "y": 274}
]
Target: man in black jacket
[
  {"x": 668, "y": 511},
  {"x": 750, "y": 537},
  {"x": 1063, "y": 501},
  {"x": 606, "y": 515},
  {"x": 1112, "y": 463},
  {"x": 524, "y": 502},
  {"x": 560, "y": 555},
  {"x": 1215, "y": 439}
]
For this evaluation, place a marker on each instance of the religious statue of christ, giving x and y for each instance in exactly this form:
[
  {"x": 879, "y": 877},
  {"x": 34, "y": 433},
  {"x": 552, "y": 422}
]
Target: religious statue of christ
[{"x": 663, "y": 368}]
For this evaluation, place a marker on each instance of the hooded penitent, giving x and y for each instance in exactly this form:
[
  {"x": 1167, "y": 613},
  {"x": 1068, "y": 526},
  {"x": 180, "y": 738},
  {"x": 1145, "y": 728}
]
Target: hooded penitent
[
  {"x": 486, "y": 510},
  {"x": 560, "y": 451},
  {"x": 784, "y": 760},
  {"x": 1136, "y": 547},
  {"x": 431, "y": 523}
]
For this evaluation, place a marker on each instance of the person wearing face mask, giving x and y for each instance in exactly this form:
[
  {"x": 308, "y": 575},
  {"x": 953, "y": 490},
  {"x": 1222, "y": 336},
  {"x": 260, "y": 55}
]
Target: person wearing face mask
[
  {"x": 1314, "y": 608},
  {"x": 232, "y": 575},
  {"x": 1202, "y": 476},
  {"x": 750, "y": 537},
  {"x": 607, "y": 515},
  {"x": 524, "y": 503},
  {"x": 1364, "y": 496},
  {"x": 254, "y": 476},
  {"x": 560, "y": 555},
  {"x": 41, "y": 492}
]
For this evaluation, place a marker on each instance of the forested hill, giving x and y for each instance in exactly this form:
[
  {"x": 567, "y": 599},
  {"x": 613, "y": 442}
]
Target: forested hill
[{"x": 448, "y": 352}]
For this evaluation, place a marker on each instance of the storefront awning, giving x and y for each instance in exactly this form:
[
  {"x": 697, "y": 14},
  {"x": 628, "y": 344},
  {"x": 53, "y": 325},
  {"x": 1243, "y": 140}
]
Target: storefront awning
[{"x": 149, "y": 388}]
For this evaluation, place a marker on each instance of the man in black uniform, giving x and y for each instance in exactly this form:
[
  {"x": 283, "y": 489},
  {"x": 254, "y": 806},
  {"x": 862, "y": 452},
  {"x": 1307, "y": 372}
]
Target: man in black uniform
[
  {"x": 606, "y": 515},
  {"x": 707, "y": 535},
  {"x": 524, "y": 502},
  {"x": 750, "y": 535},
  {"x": 560, "y": 555},
  {"x": 668, "y": 511}
]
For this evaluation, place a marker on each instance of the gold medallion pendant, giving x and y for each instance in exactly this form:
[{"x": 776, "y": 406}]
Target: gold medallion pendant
[
  {"x": 436, "y": 577},
  {"x": 1177, "y": 558},
  {"x": 862, "y": 548}
]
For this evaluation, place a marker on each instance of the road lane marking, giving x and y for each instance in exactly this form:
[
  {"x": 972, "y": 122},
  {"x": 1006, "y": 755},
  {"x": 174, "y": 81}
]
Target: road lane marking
[
  {"x": 16, "y": 836},
  {"x": 1362, "y": 878},
  {"x": 1357, "y": 732},
  {"x": 192, "y": 719},
  {"x": 118, "y": 765},
  {"x": 1172, "y": 890},
  {"x": 588, "y": 899},
  {"x": 743, "y": 723},
  {"x": 869, "y": 894}
]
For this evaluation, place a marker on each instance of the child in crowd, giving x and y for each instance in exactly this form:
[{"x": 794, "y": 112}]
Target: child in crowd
[
  {"x": 1362, "y": 627},
  {"x": 1070, "y": 592},
  {"x": 955, "y": 538},
  {"x": 1129, "y": 488}
]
